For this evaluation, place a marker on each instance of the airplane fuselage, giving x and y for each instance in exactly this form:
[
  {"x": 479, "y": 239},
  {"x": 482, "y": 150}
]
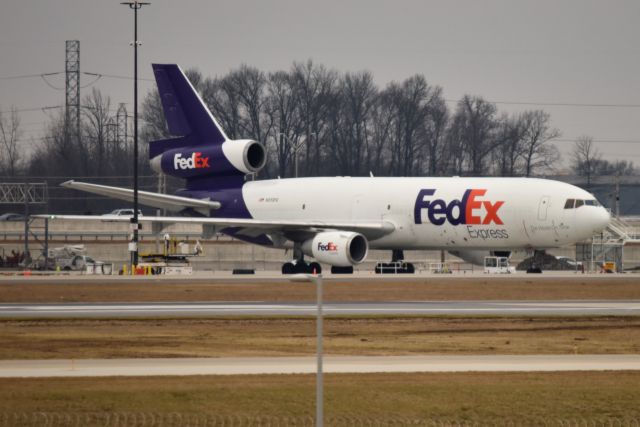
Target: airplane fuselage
[{"x": 437, "y": 213}]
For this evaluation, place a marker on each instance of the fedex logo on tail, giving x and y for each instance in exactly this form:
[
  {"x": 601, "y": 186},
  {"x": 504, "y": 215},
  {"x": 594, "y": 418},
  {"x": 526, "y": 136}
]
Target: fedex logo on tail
[
  {"x": 196, "y": 161},
  {"x": 472, "y": 209}
]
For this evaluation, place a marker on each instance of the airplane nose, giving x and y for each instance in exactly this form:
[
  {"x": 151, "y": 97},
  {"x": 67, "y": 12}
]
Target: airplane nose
[{"x": 602, "y": 220}]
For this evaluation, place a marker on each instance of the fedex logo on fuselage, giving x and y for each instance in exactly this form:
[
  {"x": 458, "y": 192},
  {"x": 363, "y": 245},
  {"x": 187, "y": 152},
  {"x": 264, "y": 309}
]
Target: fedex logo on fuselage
[
  {"x": 196, "y": 161},
  {"x": 469, "y": 210}
]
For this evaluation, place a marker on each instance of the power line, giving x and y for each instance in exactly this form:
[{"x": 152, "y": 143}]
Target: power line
[
  {"x": 611, "y": 141},
  {"x": 556, "y": 104},
  {"x": 24, "y": 110},
  {"x": 114, "y": 76},
  {"x": 29, "y": 76}
]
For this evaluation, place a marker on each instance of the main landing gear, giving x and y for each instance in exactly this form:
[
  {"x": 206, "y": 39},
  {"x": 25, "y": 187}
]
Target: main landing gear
[
  {"x": 299, "y": 265},
  {"x": 396, "y": 266}
]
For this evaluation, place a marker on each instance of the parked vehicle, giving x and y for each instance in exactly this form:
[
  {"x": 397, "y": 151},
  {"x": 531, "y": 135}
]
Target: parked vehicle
[
  {"x": 123, "y": 212},
  {"x": 71, "y": 258},
  {"x": 11, "y": 217}
]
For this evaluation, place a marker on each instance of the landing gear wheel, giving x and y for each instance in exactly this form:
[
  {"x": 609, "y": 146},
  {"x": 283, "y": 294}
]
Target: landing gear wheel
[
  {"x": 288, "y": 268},
  {"x": 315, "y": 268},
  {"x": 534, "y": 269},
  {"x": 341, "y": 270},
  {"x": 409, "y": 268},
  {"x": 301, "y": 267}
]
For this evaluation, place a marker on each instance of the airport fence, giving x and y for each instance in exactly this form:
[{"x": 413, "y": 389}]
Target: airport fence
[{"x": 139, "y": 419}]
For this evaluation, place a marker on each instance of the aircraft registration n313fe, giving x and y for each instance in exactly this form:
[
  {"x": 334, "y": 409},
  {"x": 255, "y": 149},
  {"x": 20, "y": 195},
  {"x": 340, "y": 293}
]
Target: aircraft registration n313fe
[{"x": 336, "y": 220}]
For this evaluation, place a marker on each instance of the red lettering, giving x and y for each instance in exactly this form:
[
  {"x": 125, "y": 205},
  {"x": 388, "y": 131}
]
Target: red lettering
[
  {"x": 199, "y": 161},
  {"x": 472, "y": 204},
  {"x": 492, "y": 212}
]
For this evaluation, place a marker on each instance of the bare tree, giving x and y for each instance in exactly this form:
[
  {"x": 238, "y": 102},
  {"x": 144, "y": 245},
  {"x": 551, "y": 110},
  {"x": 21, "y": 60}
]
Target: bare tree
[
  {"x": 436, "y": 133},
  {"x": 585, "y": 158},
  {"x": 474, "y": 126},
  {"x": 96, "y": 115},
  {"x": 351, "y": 115},
  {"x": 282, "y": 109},
  {"x": 314, "y": 89},
  {"x": 537, "y": 151},
  {"x": 10, "y": 134},
  {"x": 510, "y": 134}
]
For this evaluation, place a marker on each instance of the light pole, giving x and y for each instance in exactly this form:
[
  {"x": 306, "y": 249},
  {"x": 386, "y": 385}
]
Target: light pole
[
  {"x": 317, "y": 280},
  {"x": 296, "y": 147},
  {"x": 133, "y": 245}
]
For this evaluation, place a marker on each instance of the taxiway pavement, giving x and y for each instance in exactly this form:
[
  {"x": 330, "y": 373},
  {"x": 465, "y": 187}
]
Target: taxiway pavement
[
  {"x": 306, "y": 365},
  {"x": 194, "y": 310}
]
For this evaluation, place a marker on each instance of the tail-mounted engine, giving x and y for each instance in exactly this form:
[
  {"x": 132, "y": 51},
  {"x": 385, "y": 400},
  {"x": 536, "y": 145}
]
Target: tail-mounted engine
[{"x": 229, "y": 158}]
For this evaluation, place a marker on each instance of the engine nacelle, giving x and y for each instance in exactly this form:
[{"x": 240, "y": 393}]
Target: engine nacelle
[
  {"x": 231, "y": 157},
  {"x": 245, "y": 155},
  {"x": 476, "y": 256},
  {"x": 338, "y": 248}
]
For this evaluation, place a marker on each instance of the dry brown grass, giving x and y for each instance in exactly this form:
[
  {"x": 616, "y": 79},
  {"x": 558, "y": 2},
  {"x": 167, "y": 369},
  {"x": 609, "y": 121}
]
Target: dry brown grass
[
  {"x": 81, "y": 339},
  {"x": 400, "y": 289},
  {"x": 472, "y": 397}
]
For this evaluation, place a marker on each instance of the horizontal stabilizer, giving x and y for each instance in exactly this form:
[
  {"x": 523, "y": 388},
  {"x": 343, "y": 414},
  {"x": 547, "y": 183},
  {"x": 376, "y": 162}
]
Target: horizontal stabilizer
[{"x": 147, "y": 198}]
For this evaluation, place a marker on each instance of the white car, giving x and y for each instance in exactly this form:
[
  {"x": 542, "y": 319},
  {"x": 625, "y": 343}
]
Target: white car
[{"x": 123, "y": 212}]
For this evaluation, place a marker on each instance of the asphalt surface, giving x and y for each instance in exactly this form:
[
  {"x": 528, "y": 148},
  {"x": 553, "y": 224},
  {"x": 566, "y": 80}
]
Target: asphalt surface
[
  {"x": 190, "y": 310},
  {"x": 306, "y": 365},
  {"x": 204, "y": 276}
]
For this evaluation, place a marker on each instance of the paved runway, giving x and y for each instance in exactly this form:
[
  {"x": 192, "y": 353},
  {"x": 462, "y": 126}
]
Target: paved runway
[
  {"x": 306, "y": 365},
  {"x": 129, "y": 310}
]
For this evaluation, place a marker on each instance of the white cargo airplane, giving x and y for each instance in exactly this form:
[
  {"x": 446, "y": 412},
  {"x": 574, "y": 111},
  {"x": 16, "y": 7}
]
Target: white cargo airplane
[{"x": 337, "y": 220}]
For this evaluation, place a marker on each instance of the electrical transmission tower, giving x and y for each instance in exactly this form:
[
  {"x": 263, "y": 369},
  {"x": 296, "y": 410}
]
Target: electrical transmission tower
[
  {"x": 121, "y": 119},
  {"x": 111, "y": 136},
  {"x": 72, "y": 104}
]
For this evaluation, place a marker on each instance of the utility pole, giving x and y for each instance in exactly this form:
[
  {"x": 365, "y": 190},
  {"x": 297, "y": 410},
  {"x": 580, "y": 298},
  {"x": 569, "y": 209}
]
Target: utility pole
[
  {"x": 72, "y": 89},
  {"x": 133, "y": 245},
  {"x": 617, "y": 205}
]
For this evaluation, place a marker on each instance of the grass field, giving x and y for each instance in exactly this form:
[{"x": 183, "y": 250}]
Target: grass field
[
  {"x": 81, "y": 339},
  {"x": 472, "y": 397},
  {"x": 398, "y": 289}
]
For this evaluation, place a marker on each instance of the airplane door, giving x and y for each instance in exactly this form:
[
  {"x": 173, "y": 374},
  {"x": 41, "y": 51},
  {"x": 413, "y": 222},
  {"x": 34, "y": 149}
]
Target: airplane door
[{"x": 542, "y": 208}]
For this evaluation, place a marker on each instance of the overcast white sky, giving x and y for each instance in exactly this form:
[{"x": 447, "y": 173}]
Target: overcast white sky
[{"x": 538, "y": 51}]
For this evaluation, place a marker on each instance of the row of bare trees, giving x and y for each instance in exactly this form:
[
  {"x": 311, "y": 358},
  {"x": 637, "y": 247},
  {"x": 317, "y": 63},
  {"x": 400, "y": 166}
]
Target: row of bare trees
[
  {"x": 335, "y": 123},
  {"x": 343, "y": 124}
]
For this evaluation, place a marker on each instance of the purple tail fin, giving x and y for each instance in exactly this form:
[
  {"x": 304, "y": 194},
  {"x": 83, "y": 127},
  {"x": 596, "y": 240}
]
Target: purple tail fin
[{"x": 186, "y": 114}]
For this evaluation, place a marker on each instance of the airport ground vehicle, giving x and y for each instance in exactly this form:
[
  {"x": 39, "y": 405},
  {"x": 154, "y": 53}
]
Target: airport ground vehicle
[
  {"x": 71, "y": 258},
  {"x": 498, "y": 265},
  {"x": 174, "y": 260}
]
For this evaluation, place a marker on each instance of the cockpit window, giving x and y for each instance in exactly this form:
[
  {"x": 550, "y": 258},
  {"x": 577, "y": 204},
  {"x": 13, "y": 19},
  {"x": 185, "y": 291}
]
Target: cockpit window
[{"x": 576, "y": 203}]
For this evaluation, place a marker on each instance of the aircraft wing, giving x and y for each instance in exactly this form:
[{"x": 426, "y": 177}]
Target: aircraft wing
[
  {"x": 156, "y": 200},
  {"x": 371, "y": 230}
]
